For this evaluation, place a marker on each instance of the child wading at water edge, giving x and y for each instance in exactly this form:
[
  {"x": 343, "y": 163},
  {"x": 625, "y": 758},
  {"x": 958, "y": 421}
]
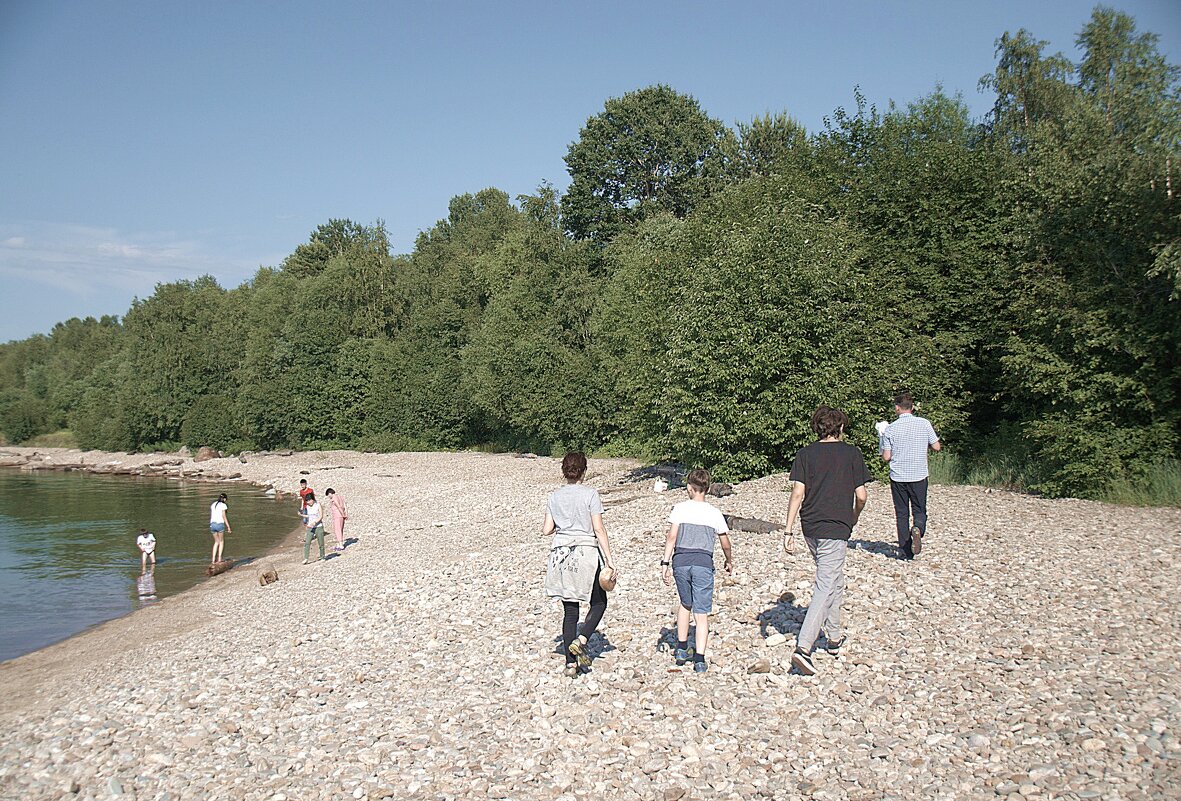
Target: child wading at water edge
[
  {"x": 146, "y": 542},
  {"x": 689, "y": 559},
  {"x": 578, "y": 552},
  {"x": 219, "y": 526}
]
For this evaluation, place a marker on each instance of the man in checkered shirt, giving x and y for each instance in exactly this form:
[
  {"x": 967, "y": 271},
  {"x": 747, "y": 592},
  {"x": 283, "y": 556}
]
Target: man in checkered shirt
[{"x": 904, "y": 445}]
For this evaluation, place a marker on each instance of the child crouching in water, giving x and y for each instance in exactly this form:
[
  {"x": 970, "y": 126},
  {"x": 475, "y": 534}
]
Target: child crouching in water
[{"x": 689, "y": 559}]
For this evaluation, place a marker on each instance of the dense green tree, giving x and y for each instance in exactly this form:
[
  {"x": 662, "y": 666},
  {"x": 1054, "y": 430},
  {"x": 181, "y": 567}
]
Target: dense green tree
[{"x": 649, "y": 151}]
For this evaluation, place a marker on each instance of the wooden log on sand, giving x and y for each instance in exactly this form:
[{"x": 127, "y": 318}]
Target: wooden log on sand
[{"x": 219, "y": 567}]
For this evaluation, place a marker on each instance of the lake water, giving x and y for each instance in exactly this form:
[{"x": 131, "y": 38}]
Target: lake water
[{"x": 68, "y": 558}]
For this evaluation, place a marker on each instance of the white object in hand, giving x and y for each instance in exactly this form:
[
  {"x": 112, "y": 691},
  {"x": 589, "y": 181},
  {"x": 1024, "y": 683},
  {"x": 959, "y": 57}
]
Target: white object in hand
[
  {"x": 881, "y": 426},
  {"x": 660, "y": 485}
]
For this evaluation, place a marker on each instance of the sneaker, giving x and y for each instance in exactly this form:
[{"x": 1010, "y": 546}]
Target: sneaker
[
  {"x": 916, "y": 540},
  {"x": 682, "y": 655},
  {"x": 578, "y": 650},
  {"x": 700, "y": 667},
  {"x": 802, "y": 661},
  {"x": 571, "y": 671},
  {"x": 833, "y": 647}
]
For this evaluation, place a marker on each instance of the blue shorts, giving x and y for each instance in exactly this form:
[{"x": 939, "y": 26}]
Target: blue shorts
[
  {"x": 217, "y": 528},
  {"x": 695, "y": 585}
]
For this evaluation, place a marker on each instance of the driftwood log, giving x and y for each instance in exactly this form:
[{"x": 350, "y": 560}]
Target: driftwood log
[
  {"x": 752, "y": 524},
  {"x": 219, "y": 567}
]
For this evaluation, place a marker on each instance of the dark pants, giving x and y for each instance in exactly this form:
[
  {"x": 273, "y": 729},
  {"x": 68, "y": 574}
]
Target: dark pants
[
  {"x": 909, "y": 496},
  {"x": 598, "y": 605}
]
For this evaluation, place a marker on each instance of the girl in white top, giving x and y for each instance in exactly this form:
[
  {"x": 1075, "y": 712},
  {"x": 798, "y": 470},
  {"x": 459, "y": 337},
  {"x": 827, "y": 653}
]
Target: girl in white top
[{"x": 219, "y": 526}]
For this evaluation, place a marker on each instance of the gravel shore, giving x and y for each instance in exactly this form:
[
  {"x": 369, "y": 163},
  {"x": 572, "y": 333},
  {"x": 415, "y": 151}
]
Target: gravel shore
[{"x": 1031, "y": 653}]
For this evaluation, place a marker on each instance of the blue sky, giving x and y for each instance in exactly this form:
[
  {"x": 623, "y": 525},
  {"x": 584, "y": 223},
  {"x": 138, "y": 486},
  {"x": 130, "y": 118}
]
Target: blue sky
[{"x": 149, "y": 141}]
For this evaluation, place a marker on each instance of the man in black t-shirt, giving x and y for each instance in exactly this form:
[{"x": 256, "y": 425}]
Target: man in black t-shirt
[{"x": 828, "y": 493}]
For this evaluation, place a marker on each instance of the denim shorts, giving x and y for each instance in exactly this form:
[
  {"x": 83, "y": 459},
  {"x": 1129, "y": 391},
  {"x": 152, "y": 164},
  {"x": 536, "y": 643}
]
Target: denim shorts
[
  {"x": 217, "y": 528},
  {"x": 695, "y": 585}
]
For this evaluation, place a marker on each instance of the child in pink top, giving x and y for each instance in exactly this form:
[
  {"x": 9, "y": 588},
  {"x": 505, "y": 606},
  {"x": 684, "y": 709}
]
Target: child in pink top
[{"x": 339, "y": 515}]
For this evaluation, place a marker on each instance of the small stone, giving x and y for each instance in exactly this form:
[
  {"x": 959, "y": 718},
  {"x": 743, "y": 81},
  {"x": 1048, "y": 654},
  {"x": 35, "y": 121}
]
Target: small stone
[
  {"x": 114, "y": 786},
  {"x": 760, "y": 666},
  {"x": 674, "y": 793},
  {"x": 775, "y": 639},
  {"x": 1093, "y": 744},
  {"x": 978, "y": 740}
]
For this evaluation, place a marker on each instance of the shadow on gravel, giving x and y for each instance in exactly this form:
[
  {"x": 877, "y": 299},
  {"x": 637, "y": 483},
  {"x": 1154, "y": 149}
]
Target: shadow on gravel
[
  {"x": 785, "y": 617},
  {"x": 598, "y": 644},
  {"x": 350, "y": 541},
  {"x": 885, "y": 549}
]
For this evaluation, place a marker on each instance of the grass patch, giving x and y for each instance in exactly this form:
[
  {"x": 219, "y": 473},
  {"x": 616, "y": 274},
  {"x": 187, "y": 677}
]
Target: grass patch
[
  {"x": 57, "y": 439},
  {"x": 1159, "y": 486}
]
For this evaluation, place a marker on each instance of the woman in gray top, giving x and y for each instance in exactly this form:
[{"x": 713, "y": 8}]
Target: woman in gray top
[{"x": 578, "y": 551}]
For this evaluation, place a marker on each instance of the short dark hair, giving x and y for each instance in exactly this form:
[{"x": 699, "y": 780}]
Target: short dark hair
[
  {"x": 904, "y": 401},
  {"x": 311, "y": 496},
  {"x": 330, "y": 491},
  {"x": 303, "y": 481},
  {"x": 828, "y": 422},
  {"x": 699, "y": 479},
  {"x": 574, "y": 465}
]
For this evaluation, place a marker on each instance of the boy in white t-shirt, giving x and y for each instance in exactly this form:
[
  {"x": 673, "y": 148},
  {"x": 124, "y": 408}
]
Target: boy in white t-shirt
[
  {"x": 689, "y": 559},
  {"x": 146, "y": 542}
]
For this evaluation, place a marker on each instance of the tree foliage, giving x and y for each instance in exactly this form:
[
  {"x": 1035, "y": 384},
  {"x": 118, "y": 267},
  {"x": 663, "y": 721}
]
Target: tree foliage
[
  {"x": 697, "y": 292},
  {"x": 649, "y": 151}
]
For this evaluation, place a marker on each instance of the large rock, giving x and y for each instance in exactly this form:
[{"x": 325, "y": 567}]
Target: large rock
[{"x": 205, "y": 453}]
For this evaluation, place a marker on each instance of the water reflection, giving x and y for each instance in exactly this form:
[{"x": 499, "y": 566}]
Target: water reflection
[{"x": 145, "y": 585}]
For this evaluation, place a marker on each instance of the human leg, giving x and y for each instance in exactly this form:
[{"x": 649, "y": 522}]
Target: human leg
[
  {"x": 598, "y": 605},
  {"x": 307, "y": 543},
  {"x": 898, "y": 491},
  {"x": 832, "y": 621},
  {"x": 918, "y": 501},
  {"x": 218, "y": 544},
  {"x": 143, "y": 561},
  {"x": 830, "y": 563},
  {"x": 320, "y": 538},
  {"x": 569, "y": 628}
]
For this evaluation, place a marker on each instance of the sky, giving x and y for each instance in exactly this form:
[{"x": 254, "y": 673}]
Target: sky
[{"x": 149, "y": 141}]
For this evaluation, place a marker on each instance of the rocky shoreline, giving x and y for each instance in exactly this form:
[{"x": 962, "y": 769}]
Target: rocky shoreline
[{"x": 1031, "y": 653}]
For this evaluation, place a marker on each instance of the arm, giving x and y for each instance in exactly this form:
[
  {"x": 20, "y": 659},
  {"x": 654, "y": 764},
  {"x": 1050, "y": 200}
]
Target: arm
[
  {"x": 670, "y": 543},
  {"x": 886, "y": 454},
  {"x": 548, "y": 525},
  {"x": 226, "y": 517},
  {"x": 859, "y": 496},
  {"x": 601, "y": 536},
  {"x": 725, "y": 541},
  {"x": 793, "y": 509},
  {"x": 937, "y": 445}
]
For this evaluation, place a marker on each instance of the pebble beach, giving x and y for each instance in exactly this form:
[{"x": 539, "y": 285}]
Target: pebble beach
[{"x": 1030, "y": 653}]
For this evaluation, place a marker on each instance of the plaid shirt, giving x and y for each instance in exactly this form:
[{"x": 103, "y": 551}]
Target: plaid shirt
[{"x": 907, "y": 439}]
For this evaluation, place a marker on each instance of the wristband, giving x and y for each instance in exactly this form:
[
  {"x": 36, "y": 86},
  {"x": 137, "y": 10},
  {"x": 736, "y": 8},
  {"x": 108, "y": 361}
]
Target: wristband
[{"x": 664, "y": 563}]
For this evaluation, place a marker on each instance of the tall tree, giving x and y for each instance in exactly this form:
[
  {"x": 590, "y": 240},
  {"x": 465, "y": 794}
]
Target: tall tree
[{"x": 648, "y": 151}]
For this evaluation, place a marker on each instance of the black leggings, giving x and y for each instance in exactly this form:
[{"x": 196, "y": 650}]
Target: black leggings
[{"x": 598, "y": 605}]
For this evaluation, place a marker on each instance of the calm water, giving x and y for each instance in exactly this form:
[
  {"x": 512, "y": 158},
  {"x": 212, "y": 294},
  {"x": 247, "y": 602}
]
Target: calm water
[{"x": 68, "y": 558}]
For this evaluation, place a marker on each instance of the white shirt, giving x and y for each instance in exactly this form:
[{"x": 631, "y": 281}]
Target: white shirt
[
  {"x": 314, "y": 514},
  {"x": 217, "y": 512},
  {"x": 146, "y": 542}
]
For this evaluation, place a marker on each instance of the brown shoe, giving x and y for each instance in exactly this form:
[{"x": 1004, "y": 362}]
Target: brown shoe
[{"x": 916, "y": 540}]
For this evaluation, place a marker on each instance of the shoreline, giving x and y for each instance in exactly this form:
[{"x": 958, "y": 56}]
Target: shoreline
[{"x": 422, "y": 663}]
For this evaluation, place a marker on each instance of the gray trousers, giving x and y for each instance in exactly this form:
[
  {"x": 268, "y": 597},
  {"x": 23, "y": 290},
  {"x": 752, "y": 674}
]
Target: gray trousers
[{"x": 824, "y": 612}]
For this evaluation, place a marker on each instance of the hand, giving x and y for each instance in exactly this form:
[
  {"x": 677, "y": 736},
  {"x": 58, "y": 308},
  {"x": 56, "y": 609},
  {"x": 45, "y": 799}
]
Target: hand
[
  {"x": 667, "y": 574},
  {"x": 729, "y": 565},
  {"x": 787, "y": 541}
]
